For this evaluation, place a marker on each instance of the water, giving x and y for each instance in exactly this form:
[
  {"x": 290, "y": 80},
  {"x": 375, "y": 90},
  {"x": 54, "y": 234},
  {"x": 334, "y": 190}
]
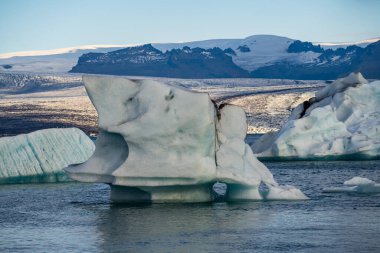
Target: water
[{"x": 76, "y": 217}]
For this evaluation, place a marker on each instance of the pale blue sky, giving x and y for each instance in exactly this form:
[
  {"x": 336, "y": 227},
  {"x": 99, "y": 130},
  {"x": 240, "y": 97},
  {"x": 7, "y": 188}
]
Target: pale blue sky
[{"x": 48, "y": 24}]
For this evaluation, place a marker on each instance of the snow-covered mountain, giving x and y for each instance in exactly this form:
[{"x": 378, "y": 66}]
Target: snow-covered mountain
[
  {"x": 258, "y": 54},
  {"x": 329, "y": 63},
  {"x": 50, "y": 61},
  {"x": 263, "y": 51},
  {"x": 269, "y": 56},
  {"x": 250, "y": 53}
]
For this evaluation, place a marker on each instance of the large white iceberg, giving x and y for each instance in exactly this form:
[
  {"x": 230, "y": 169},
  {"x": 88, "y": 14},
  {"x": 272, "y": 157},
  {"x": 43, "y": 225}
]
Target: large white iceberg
[
  {"x": 342, "y": 119},
  {"x": 40, "y": 156},
  {"x": 161, "y": 143}
]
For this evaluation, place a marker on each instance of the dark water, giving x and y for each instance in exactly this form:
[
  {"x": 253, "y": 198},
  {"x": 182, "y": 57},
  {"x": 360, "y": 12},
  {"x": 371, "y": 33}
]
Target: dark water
[{"x": 75, "y": 217}]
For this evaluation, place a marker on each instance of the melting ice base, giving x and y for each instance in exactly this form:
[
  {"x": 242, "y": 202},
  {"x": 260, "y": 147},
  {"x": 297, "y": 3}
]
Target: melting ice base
[
  {"x": 356, "y": 185},
  {"x": 40, "y": 156},
  {"x": 162, "y": 143}
]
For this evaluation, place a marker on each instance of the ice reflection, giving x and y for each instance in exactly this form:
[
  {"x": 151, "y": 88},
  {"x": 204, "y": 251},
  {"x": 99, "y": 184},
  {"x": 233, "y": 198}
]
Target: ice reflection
[{"x": 175, "y": 228}]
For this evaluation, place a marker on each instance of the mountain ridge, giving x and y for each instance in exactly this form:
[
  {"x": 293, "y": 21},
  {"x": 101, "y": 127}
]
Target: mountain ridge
[
  {"x": 63, "y": 50},
  {"x": 330, "y": 64},
  {"x": 266, "y": 56},
  {"x": 323, "y": 64},
  {"x": 146, "y": 60}
]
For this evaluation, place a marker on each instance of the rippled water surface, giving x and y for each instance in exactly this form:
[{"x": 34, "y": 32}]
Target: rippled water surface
[{"x": 76, "y": 217}]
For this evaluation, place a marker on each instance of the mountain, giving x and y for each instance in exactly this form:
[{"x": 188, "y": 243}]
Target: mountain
[
  {"x": 299, "y": 47},
  {"x": 250, "y": 53},
  {"x": 146, "y": 60},
  {"x": 293, "y": 60},
  {"x": 266, "y": 56},
  {"x": 49, "y": 61},
  {"x": 329, "y": 64},
  {"x": 369, "y": 63}
]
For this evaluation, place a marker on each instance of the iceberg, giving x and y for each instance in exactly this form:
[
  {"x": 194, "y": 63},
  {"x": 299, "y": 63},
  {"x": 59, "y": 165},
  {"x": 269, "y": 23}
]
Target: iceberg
[
  {"x": 356, "y": 185},
  {"x": 163, "y": 143},
  {"x": 343, "y": 119},
  {"x": 40, "y": 156}
]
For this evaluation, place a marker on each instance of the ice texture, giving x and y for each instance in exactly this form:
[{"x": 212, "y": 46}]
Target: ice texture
[
  {"x": 40, "y": 156},
  {"x": 146, "y": 125},
  {"x": 342, "y": 119},
  {"x": 238, "y": 167},
  {"x": 356, "y": 185},
  {"x": 163, "y": 143}
]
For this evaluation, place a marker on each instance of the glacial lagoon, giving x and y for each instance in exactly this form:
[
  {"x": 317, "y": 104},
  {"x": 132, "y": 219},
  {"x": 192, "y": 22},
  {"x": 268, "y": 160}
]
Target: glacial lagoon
[{"x": 78, "y": 217}]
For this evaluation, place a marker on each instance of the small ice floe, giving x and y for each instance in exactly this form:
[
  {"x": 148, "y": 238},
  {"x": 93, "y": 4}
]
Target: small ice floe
[{"x": 356, "y": 185}]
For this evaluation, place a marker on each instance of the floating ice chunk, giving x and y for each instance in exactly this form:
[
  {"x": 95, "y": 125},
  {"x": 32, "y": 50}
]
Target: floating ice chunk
[
  {"x": 342, "y": 119},
  {"x": 356, "y": 185},
  {"x": 358, "y": 181},
  {"x": 40, "y": 156},
  {"x": 161, "y": 143}
]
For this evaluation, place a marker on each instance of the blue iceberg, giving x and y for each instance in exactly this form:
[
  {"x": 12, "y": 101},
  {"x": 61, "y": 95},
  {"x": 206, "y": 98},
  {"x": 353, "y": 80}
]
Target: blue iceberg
[{"x": 40, "y": 156}]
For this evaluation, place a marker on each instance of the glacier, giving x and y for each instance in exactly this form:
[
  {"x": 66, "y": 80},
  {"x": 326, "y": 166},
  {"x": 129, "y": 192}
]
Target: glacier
[
  {"x": 40, "y": 156},
  {"x": 342, "y": 120},
  {"x": 163, "y": 143}
]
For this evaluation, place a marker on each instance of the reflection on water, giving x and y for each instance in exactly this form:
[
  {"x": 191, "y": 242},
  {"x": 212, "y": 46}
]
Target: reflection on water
[
  {"x": 173, "y": 228},
  {"x": 76, "y": 217}
]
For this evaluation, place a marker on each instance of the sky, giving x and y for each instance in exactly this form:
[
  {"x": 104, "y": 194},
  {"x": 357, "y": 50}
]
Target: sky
[{"x": 42, "y": 24}]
